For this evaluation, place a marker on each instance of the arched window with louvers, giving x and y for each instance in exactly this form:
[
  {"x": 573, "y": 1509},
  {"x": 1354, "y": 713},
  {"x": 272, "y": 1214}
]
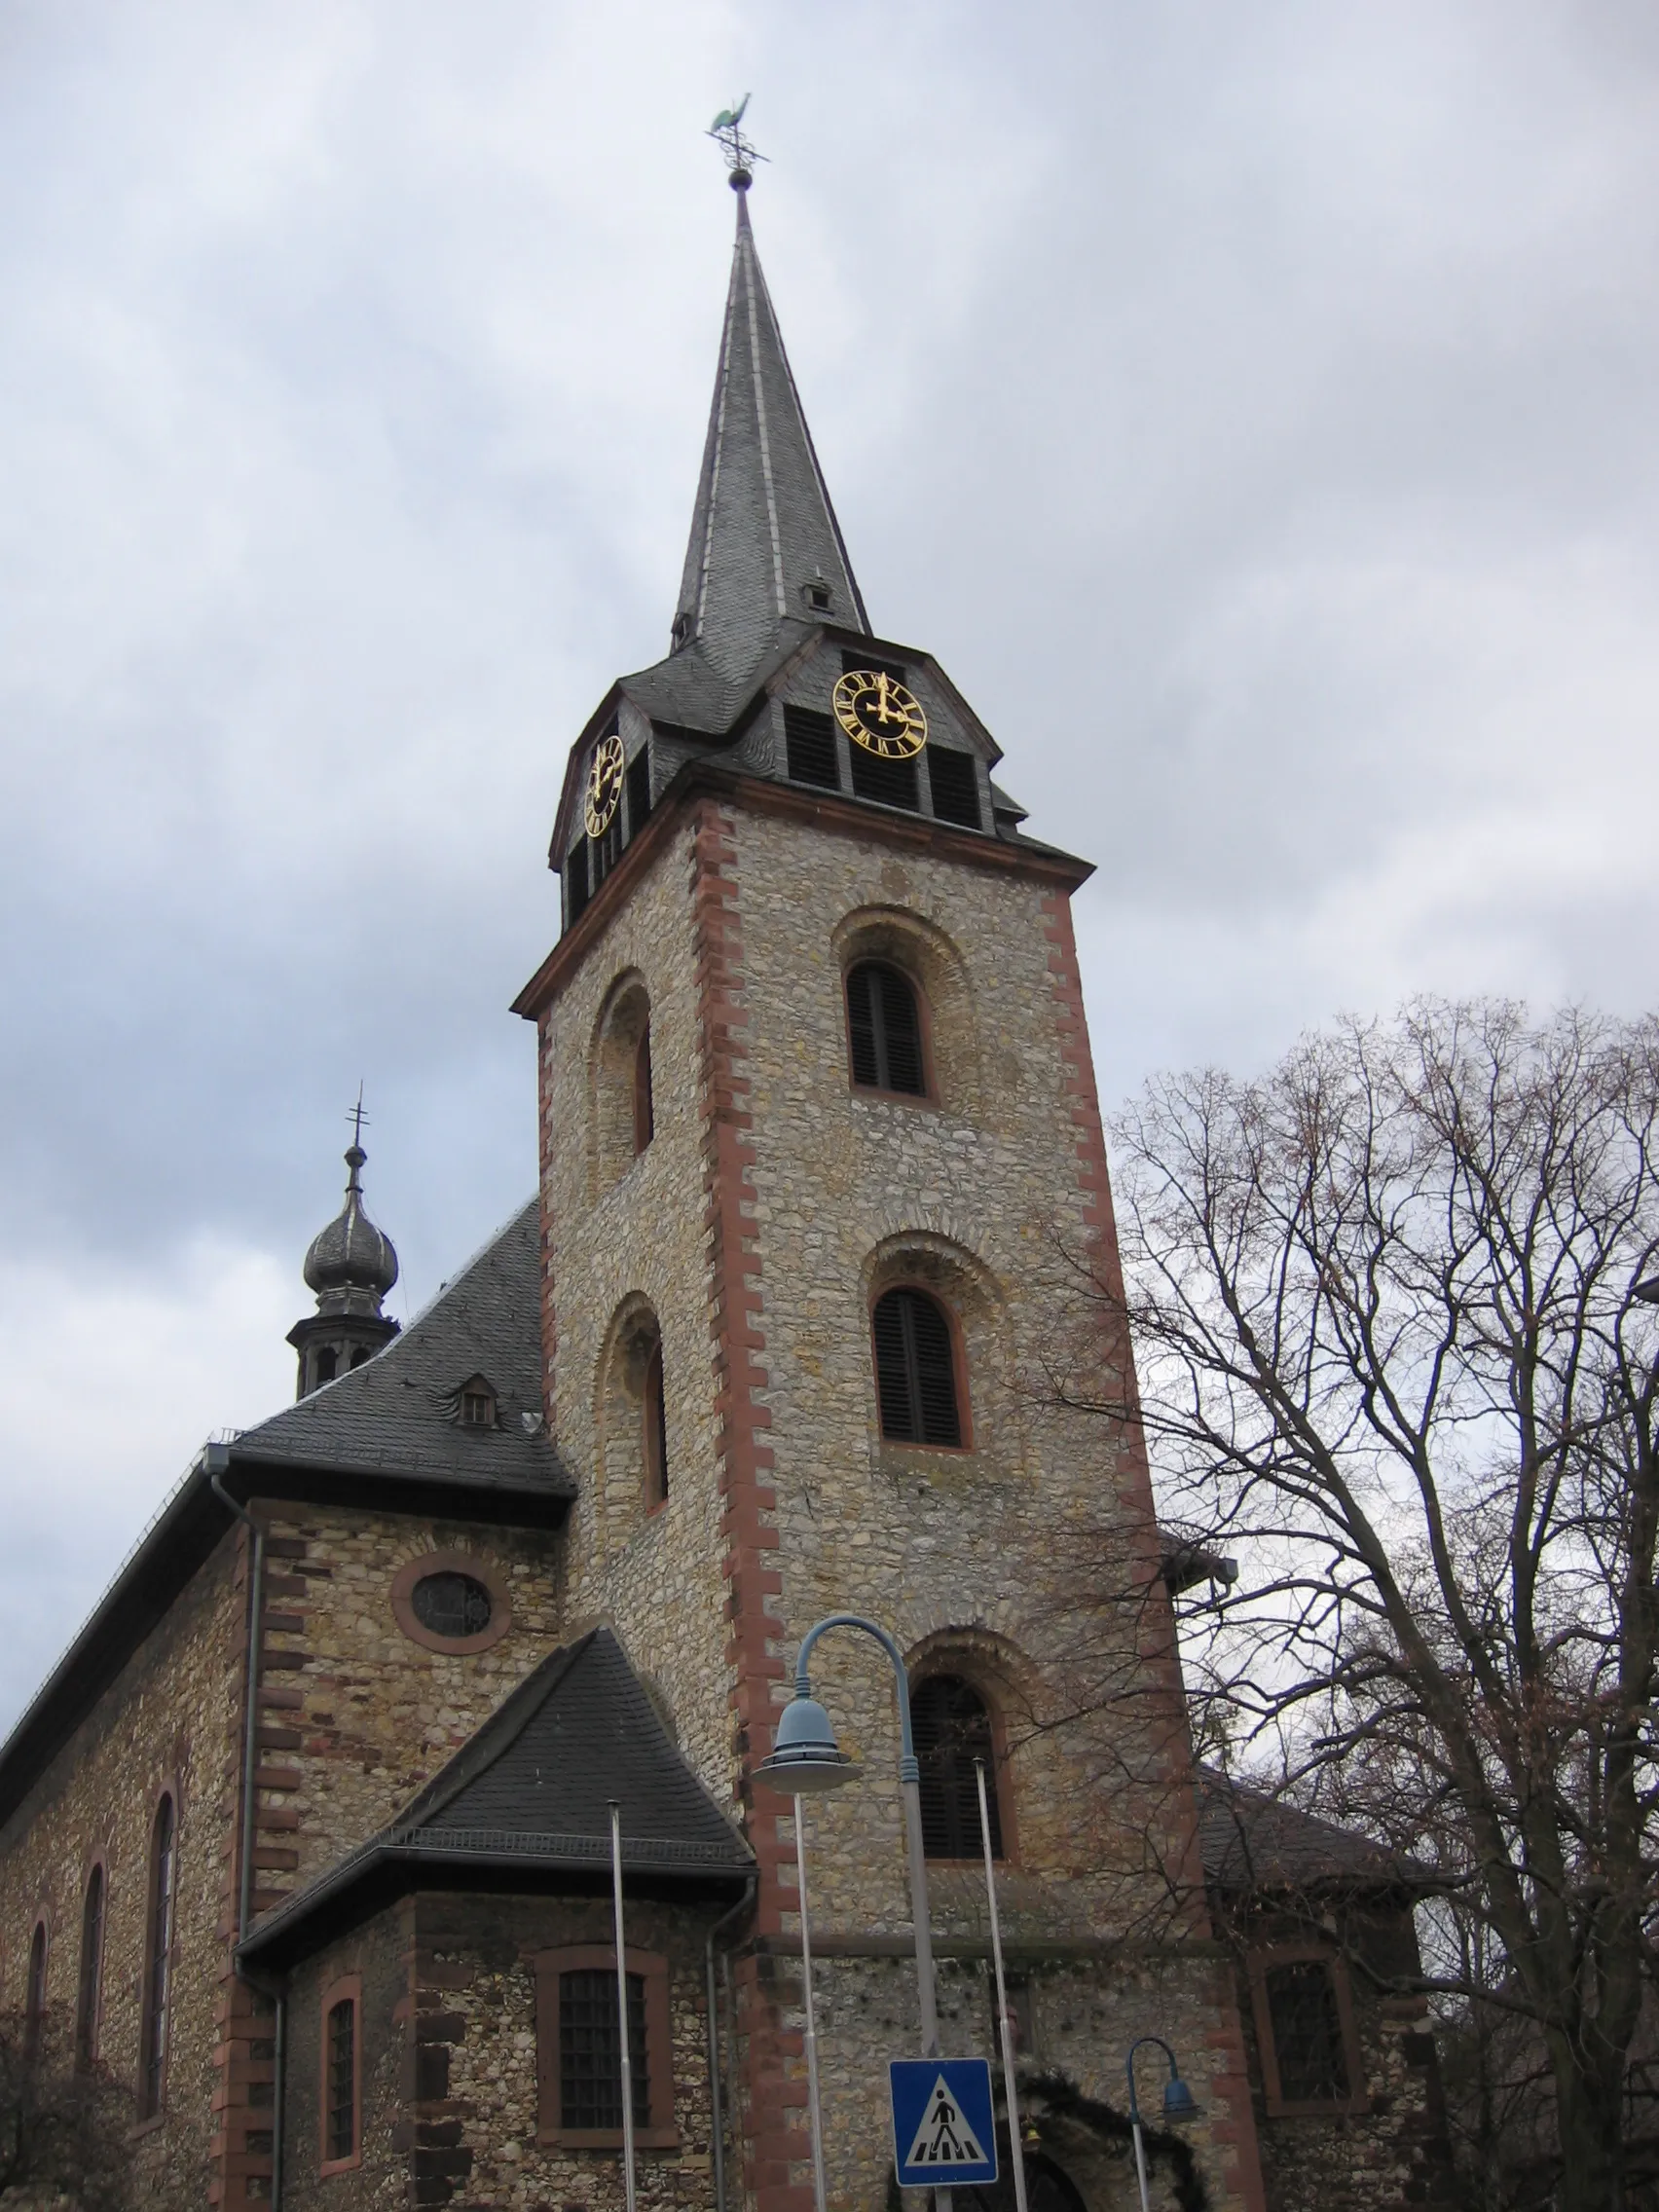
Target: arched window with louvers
[
  {"x": 918, "y": 1391},
  {"x": 886, "y": 1036},
  {"x": 952, "y": 1727}
]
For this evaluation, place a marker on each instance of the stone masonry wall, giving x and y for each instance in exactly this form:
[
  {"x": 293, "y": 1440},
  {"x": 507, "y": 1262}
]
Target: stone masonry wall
[
  {"x": 450, "y": 2088},
  {"x": 769, "y": 1210},
  {"x": 355, "y": 1715},
  {"x": 382, "y": 1953},
  {"x": 171, "y": 1719}
]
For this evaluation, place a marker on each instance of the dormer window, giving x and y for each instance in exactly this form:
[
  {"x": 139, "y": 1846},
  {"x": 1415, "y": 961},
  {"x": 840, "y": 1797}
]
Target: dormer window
[
  {"x": 818, "y": 595},
  {"x": 477, "y": 1404}
]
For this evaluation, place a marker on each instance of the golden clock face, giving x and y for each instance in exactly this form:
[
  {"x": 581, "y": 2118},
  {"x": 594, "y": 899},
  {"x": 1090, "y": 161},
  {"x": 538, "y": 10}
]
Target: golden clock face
[
  {"x": 879, "y": 713},
  {"x": 604, "y": 787}
]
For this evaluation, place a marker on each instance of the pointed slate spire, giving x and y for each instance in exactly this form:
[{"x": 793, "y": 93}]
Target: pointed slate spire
[{"x": 764, "y": 541}]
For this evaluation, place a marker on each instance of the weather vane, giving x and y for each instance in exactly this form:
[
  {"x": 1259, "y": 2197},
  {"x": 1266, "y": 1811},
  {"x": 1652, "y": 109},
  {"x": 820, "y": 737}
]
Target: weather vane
[{"x": 726, "y": 131}]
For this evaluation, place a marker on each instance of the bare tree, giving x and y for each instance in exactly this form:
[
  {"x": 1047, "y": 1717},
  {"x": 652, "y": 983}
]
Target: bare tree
[
  {"x": 1392, "y": 1357},
  {"x": 65, "y": 2130}
]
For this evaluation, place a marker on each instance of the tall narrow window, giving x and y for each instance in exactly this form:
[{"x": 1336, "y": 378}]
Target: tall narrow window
[
  {"x": 1306, "y": 2033},
  {"x": 654, "y": 1436},
  {"x": 953, "y": 778},
  {"x": 915, "y": 1371},
  {"x": 91, "y": 1980},
  {"x": 645, "y": 1113},
  {"x": 340, "y": 2120},
  {"x": 884, "y": 1029},
  {"x": 158, "y": 1962},
  {"x": 576, "y": 881},
  {"x": 590, "y": 2051},
  {"x": 809, "y": 738},
  {"x": 952, "y": 1729},
  {"x": 34, "y": 2003},
  {"x": 327, "y": 1364}
]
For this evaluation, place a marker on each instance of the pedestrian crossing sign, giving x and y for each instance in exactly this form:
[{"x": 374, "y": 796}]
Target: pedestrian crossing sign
[{"x": 943, "y": 2131}]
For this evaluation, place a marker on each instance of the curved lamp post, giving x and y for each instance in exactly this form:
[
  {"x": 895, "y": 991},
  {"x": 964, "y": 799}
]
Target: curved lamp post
[
  {"x": 1179, "y": 2105},
  {"x": 805, "y": 1760}
]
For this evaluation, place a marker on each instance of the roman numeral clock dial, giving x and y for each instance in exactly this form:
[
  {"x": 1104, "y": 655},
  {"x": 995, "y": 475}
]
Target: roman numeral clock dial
[{"x": 879, "y": 713}]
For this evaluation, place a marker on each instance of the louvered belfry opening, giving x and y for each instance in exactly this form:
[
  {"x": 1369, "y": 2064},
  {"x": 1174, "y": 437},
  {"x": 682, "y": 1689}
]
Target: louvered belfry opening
[
  {"x": 915, "y": 1370},
  {"x": 952, "y": 1727},
  {"x": 884, "y": 1028}
]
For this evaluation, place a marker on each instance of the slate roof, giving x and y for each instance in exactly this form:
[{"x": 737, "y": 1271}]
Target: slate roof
[
  {"x": 526, "y": 1803},
  {"x": 385, "y": 1434},
  {"x": 401, "y": 1410},
  {"x": 1251, "y": 1841},
  {"x": 762, "y": 526}
]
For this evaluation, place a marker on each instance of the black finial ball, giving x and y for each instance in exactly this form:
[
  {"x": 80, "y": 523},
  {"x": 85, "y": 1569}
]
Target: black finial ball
[{"x": 741, "y": 179}]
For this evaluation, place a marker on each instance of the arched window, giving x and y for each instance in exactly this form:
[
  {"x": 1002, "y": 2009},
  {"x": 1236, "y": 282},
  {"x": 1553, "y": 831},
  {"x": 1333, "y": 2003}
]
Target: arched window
[
  {"x": 158, "y": 1961},
  {"x": 915, "y": 1370},
  {"x": 952, "y": 1727},
  {"x": 91, "y": 1970},
  {"x": 653, "y": 1437},
  {"x": 327, "y": 1364},
  {"x": 645, "y": 1115},
  {"x": 34, "y": 2003},
  {"x": 884, "y": 1029}
]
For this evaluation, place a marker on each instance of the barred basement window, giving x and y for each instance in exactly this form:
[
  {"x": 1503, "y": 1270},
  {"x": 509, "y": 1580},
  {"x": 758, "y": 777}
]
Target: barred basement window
[
  {"x": 342, "y": 2114},
  {"x": 884, "y": 1029},
  {"x": 590, "y": 2051},
  {"x": 954, "y": 778},
  {"x": 915, "y": 1371},
  {"x": 158, "y": 1962},
  {"x": 91, "y": 1980},
  {"x": 1306, "y": 2033},
  {"x": 890, "y": 783},
  {"x": 451, "y": 1605},
  {"x": 809, "y": 738},
  {"x": 952, "y": 1728}
]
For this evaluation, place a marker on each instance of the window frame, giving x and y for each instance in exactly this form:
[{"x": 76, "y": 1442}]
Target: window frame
[
  {"x": 450, "y": 1563},
  {"x": 958, "y": 1369},
  {"x": 155, "y": 2028},
  {"x": 88, "y": 2000},
  {"x": 660, "y": 2133},
  {"x": 1261, "y": 1963},
  {"x": 928, "y": 1095},
  {"x": 935, "y": 1663},
  {"x": 345, "y": 1989}
]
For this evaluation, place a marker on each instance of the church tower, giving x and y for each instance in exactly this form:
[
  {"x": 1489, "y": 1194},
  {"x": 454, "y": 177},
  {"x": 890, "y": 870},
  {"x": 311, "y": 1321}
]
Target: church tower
[{"x": 820, "y": 1150}]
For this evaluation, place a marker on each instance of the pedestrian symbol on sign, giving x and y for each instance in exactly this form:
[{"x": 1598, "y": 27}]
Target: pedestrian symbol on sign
[
  {"x": 944, "y": 2138},
  {"x": 943, "y": 2130}
]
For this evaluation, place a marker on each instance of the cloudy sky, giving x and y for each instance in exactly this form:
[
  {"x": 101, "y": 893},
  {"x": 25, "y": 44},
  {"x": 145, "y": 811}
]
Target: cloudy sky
[{"x": 1253, "y": 407}]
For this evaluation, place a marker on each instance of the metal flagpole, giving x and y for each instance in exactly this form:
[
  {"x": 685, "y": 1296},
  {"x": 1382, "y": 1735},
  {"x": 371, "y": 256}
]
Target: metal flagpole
[
  {"x": 815, "y": 2108},
  {"x": 623, "y": 2002},
  {"x": 1017, "y": 2151}
]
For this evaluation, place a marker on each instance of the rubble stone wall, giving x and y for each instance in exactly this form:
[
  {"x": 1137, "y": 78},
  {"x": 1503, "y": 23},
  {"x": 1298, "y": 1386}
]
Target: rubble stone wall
[{"x": 170, "y": 1721}]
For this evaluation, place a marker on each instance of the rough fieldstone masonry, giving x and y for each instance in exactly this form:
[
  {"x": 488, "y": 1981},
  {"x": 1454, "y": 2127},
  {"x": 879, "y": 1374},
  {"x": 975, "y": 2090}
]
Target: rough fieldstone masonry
[{"x": 344, "y": 1737}]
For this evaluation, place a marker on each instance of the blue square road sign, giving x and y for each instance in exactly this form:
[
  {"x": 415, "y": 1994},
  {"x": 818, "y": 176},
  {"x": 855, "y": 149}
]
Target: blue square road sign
[{"x": 944, "y": 2134}]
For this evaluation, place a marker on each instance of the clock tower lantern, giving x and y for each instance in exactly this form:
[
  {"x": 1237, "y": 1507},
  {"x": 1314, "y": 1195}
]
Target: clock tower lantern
[{"x": 818, "y": 1119}]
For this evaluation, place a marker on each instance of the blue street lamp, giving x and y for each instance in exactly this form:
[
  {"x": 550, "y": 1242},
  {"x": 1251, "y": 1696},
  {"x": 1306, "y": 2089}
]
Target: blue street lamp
[{"x": 1179, "y": 2105}]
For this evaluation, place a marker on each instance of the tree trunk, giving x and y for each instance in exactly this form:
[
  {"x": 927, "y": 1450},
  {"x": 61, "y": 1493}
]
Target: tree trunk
[{"x": 1589, "y": 2118}]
